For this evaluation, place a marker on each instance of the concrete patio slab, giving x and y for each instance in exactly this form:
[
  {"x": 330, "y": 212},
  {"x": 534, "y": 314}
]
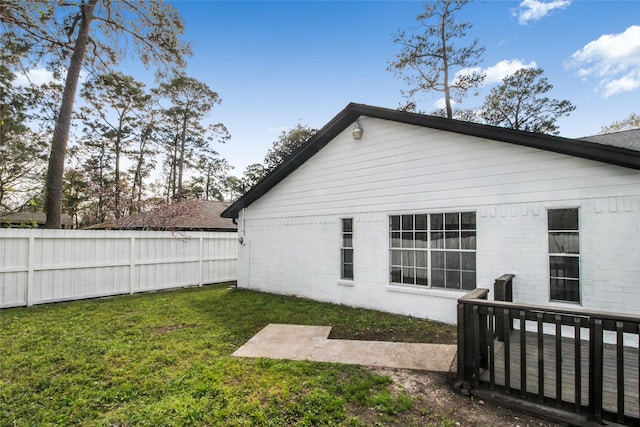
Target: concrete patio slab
[{"x": 300, "y": 342}]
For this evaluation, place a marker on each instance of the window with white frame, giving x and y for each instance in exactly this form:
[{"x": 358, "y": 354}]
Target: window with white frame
[
  {"x": 346, "y": 250},
  {"x": 564, "y": 255},
  {"x": 436, "y": 250}
]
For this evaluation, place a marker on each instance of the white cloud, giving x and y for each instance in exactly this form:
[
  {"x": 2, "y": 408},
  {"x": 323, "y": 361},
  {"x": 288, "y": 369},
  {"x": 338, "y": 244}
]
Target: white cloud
[
  {"x": 506, "y": 67},
  {"x": 612, "y": 59},
  {"x": 38, "y": 76},
  {"x": 534, "y": 10},
  {"x": 497, "y": 72}
]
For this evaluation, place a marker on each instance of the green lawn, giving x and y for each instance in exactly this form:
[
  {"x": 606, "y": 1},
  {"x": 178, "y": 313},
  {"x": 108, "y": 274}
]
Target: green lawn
[{"x": 164, "y": 359}]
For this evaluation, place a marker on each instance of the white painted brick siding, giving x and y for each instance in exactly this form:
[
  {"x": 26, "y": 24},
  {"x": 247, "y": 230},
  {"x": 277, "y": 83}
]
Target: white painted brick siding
[{"x": 292, "y": 234}]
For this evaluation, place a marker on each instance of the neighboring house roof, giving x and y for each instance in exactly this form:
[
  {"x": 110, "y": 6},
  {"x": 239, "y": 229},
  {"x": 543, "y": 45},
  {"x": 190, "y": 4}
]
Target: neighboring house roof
[
  {"x": 26, "y": 218},
  {"x": 190, "y": 215},
  {"x": 603, "y": 152},
  {"x": 629, "y": 139}
]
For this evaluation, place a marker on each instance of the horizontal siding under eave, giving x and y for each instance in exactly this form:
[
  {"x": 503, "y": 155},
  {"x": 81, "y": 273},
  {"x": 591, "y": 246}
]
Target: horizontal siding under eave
[{"x": 387, "y": 170}]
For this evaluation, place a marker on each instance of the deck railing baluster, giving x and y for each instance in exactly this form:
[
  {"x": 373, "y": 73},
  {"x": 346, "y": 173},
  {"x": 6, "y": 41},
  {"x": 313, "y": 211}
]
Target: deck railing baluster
[
  {"x": 620, "y": 369},
  {"x": 491, "y": 340},
  {"x": 477, "y": 325},
  {"x": 578, "y": 364},
  {"x": 595, "y": 369},
  {"x": 523, "y": 354},
  {"x": 506, "y": 324},
  {"x": 540, "y": 358},
  {"x": 558, "y": 322}
]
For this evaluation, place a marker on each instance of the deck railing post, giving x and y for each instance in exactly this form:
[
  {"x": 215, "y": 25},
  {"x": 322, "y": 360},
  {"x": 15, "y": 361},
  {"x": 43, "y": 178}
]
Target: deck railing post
[
  {"x": 468, "y": 325},
  {"x": 503, "y": 289}
]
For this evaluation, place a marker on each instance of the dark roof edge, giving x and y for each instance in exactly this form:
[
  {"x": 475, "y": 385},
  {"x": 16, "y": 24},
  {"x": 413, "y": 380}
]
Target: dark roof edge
[{"x": 573, "y": 147}]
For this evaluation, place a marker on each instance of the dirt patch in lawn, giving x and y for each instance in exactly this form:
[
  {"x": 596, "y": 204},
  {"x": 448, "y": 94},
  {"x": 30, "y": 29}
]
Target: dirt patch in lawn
[
  {"x": 439, "y": 334},
  {"x": 436, "y": 403}
]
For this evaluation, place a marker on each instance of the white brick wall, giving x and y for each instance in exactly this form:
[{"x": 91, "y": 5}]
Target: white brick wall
[{"x": 292, "y": 234}]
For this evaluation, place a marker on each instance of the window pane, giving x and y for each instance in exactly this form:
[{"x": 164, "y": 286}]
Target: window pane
[
  {"x": 347, "y": 271},
  {"x": 421, "y": 240},
  {"x": 407, "y": 240},
  {"x": 422, "y": 258},
  {"x": 347, "y": 256},
  {"x": 347, "y": 240},
  {"x": 468, "y": 261},
  {"x": 421, "y": 276},
  {"x": 452, "y": 280},
  {"x": 408, "y": 276},
  {"x": 452, "y": 221},
  {"x": 437, "y": 221},
  {"x": 468, "y": 280},
  {"x": 565, "y": 290},
  {"x": 563, "y": 219},
  {"x": 561, "y": 266},
  {"x": 452, "y": 240},
  {"x": 452, "y": 260},
  {"x": 347, "y": 225},
  {"x": 396, "y": 275},
  {"x": 395, "y": 240},
  {"x": 408, "y": 259},
  {"x": 421, "y": 222},
  {"x": 468, "y": 240},
  {"x": 437, "y": 240},
  {"x": 468, "y": 220},
  {"x": 564, "y": 243},
  {"x": 437, "y": 259},
  {"x": 407, "y": 222},
  {"x": 394, "y": 222},
  {"x": 396, "y": 258},
  {"x": 437, "y": 278}
]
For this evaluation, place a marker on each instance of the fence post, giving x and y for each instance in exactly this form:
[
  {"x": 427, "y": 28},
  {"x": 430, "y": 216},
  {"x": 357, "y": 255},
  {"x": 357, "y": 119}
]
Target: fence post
[
  {"x": 29, "y": 290},
  {"x": 201, "y": 263},
  {"x": 503, "y": 289},
  {"x": 132, "y": 263}
]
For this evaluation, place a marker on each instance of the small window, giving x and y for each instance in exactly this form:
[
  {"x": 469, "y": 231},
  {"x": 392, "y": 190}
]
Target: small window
[
  {"x": 346, "y": 249},
  {"x": 564, "y": 255}
]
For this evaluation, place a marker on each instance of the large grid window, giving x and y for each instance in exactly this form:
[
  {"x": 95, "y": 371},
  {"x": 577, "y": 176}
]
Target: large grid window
[
  {"x": 564, "y": 255},
  {"x": 346, "y": 250},
  {"x": 435, "y": 250}
]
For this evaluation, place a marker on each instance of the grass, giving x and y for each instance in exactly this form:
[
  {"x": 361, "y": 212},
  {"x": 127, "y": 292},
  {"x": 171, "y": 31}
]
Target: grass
[{"x": 164, "y": 359}]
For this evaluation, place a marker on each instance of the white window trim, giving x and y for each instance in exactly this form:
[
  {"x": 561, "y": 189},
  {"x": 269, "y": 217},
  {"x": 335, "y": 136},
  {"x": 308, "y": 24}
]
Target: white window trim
[
  {"x": 558, "y": 302},
  {"x": 342, "y": 281},
  {"x": 428, "y": 289}
]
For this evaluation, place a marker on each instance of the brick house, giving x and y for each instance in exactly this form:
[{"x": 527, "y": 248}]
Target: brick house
[{"x": 405, "y": 213}]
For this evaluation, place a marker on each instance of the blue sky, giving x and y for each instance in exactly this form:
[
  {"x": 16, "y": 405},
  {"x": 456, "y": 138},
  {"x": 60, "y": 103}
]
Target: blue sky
[{"x": 278, "y": 63}]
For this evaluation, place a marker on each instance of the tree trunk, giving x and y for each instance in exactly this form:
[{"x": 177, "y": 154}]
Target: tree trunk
[{"x": 53, "y": 204}]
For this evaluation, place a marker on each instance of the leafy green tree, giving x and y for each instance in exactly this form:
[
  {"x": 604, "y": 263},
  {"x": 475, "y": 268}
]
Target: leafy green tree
[
  {"x": 628, "y": 123},
  {"x": 92, "y": 33},
  {"x": 186, "y": 137},
  {"x": 427, "y": 61},
  {"x": 116, "y": 100},
  {"x": 22, "y": 158},
  {"x": 252, "y": 175},
  {"x": 520, "y": 102},
  {"x": 75, "y": 193},
  {"x": 144, "y": 150},
  {"x": 286, "y": 144}
]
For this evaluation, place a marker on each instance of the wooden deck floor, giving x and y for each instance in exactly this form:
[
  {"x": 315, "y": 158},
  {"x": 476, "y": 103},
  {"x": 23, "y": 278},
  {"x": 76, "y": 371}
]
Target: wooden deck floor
[{"x": 568, "y": 371}]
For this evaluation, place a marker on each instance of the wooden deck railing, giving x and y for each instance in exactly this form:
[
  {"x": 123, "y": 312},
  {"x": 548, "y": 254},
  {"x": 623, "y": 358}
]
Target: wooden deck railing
[{"x": 570, "y": 360}]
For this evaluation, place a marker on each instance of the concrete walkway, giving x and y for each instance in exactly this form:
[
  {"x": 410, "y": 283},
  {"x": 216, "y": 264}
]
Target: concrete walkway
[{"x": 298, "y": 342}]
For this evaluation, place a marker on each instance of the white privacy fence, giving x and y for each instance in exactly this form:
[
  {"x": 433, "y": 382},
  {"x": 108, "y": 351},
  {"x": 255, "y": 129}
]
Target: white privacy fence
[{"x": 41, "y": 266}]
